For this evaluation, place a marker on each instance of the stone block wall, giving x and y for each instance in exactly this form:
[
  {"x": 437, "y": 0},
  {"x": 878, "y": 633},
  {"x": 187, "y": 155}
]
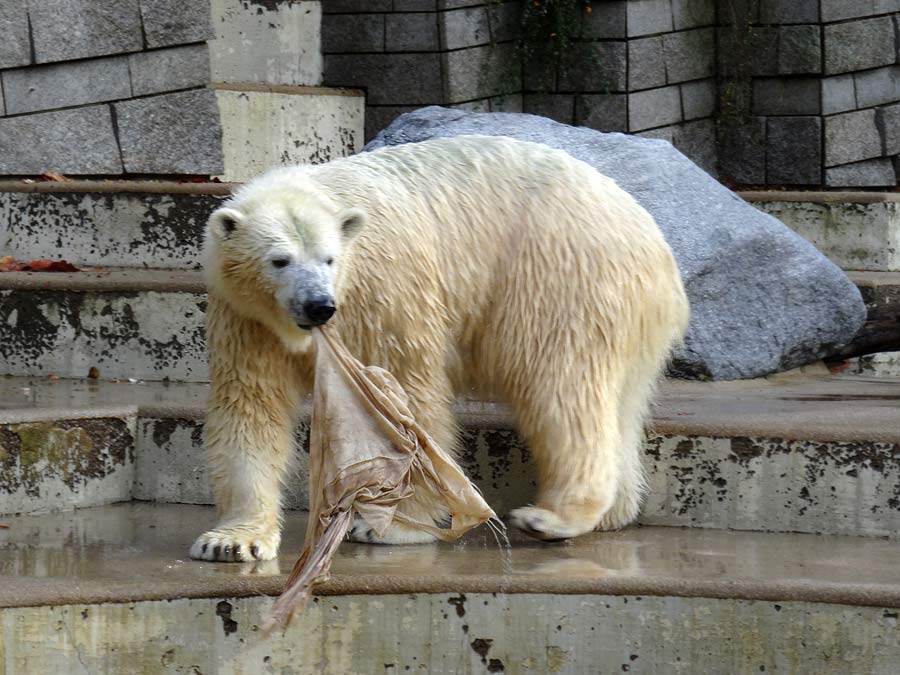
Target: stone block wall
[
  {"x": 642, "y": 66},
  {"x": 105, "y": 87},
  {"x": 646, "y": 67},
  {"x": 810, "y": 92},
  {"x": 763, "y": 92},
  {"x": 411, "y": 53}
]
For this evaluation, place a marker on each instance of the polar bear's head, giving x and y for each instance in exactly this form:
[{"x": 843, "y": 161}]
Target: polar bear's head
[{"x": 273, "y": 253}]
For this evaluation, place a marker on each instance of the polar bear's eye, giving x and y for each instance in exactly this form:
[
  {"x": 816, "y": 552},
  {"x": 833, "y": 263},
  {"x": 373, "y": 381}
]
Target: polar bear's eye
[
  {"x": 281, "y": 262},
  {"x": 330, "y": 261}
]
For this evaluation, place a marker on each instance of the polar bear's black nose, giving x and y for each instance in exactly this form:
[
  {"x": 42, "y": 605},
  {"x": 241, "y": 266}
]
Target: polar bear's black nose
[{"x": 318, "y": 311}]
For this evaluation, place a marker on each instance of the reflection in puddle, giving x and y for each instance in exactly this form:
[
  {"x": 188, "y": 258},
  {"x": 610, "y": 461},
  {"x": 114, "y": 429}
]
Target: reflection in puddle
[
  {"x": 145, "y": 546},
  {"x": 260, "y": 568}
]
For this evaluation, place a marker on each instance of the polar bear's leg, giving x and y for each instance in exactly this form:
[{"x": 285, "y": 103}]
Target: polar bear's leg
[
  {"x": 632, "y": 479},
  {"x": 587, "y": 437},
  {"x": 249, "y": 437},
  {"x": 574, "y": 428}
]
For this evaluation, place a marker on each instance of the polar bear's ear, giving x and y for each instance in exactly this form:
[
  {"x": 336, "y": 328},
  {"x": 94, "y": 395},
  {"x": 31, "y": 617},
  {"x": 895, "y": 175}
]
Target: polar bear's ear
[
  {"x": 352, "y": 221},
  {"x": 224, "y": 222}
]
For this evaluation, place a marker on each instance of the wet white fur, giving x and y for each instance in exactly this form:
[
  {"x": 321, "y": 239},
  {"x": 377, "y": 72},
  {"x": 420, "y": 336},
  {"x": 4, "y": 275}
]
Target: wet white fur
[{"x": 483, "y": 262}]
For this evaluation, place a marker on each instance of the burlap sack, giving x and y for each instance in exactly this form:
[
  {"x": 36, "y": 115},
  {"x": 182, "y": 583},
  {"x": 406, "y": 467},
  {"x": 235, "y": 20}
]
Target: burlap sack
[{"x": 366, "y": 453}]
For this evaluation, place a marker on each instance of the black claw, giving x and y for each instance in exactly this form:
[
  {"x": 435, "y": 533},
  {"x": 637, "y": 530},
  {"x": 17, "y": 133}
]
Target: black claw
[
  {"x": 254, "y": 551},
  {"x": 226, "y": 552},
  {"x": 370, "y": 536},
  {"x": 237, "y": 552},
  {"x": 203, "y": 550},
  {"x": 216, "y": 551}
]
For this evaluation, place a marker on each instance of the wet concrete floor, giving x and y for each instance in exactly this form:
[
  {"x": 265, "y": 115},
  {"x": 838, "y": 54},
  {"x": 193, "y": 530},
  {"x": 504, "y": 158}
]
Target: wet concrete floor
[{"x": 138, "y": 551}]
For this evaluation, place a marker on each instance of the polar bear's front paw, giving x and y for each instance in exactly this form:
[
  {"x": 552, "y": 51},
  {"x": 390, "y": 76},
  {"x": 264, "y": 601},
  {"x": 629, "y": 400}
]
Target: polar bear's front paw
[
  {"x": 545, "y": 525},
  {"x": 236, "y": 544},
  {"x": 397, "y": 533}
]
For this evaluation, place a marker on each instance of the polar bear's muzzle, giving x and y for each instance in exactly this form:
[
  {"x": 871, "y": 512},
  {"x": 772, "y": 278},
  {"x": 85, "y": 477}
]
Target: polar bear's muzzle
[
  {"x": 306, "y": 292},
  {"x": 310, "y": 312},
  {"x": 318, "y": 310}
]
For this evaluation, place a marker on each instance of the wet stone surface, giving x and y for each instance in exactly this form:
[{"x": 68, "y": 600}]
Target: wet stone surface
[
  {"x": 66, "y": 463},
  {"x": 139, "y": 551}
]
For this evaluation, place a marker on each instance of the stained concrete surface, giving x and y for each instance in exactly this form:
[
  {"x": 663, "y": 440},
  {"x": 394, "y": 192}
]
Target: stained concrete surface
[
  {"x": 455, "y": 634},
  {"x": 853, "y": 235},
  {"x": 110, "y": 229}
]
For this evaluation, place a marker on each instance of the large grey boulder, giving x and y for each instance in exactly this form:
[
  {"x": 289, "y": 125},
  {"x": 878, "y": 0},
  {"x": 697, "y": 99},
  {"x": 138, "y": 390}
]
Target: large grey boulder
[{"x": 762, "y": 298}]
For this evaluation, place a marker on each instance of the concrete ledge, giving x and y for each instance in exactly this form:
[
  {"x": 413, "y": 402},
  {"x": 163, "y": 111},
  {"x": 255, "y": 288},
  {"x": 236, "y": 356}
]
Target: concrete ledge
[
  {"x": 106, "y": 281},
  {"x": 174, "y": 187},
  {"x": 151, "y": 324},
  {"x": 119, "y": 229},
  {"x": 820, "y": 408},
  {"x": 819, "y": 197},
  {"x": 50, "y": 414},
  {"x": 293, "y": 90},
  {"x": 854, "y": 232},
  {"x": 865, "y": 279},
  {"x": 67, "y": 462}
]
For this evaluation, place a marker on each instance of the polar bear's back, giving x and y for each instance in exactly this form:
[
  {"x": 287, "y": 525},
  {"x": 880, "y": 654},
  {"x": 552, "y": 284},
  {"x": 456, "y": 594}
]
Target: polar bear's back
[
  {"x": 488, "y": 190},
  {"x": 468, "y": 231}
]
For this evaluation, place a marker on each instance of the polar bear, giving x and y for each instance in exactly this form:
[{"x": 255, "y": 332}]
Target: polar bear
[{"x": 469, "y": 262}]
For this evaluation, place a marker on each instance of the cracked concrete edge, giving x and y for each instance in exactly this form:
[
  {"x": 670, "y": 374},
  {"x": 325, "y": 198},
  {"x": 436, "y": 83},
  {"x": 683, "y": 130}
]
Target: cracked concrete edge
[
  {"x": 36, "y": 592},
  {"x": 118, "y": 186},
  {"x": 108, "y": 280},
  {"x": 781, "y": 430},
  {"x": 494, "y": 416},
  {"x": 114, "y": 279}
]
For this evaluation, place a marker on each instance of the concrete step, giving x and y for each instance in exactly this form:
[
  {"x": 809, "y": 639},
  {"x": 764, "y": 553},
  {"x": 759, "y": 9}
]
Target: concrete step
[
  {"x": 139, "y": 324},
  {"x": 856, "y": 230},
  {"x": 110, "y": 590},
  {"x": 160, "y": 224},
  {"x": 879, "y": 290},
  {"x": 795, "y": 453},
  {"x": 148, "y": 324},
  {"x": 56, "y": 459},
  {"x": 108, "y": 223}
]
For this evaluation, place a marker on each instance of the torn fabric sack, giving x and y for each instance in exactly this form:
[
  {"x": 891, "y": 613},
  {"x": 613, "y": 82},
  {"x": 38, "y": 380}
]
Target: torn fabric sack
[{"x": 366, "y": 454}]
